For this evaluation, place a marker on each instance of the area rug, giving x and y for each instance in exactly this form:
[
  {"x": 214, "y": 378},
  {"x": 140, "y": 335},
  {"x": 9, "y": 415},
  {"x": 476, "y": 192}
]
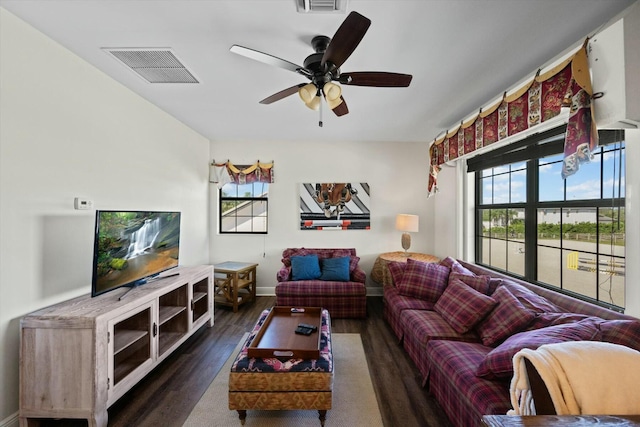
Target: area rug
[{"x": 353, "y": 401}]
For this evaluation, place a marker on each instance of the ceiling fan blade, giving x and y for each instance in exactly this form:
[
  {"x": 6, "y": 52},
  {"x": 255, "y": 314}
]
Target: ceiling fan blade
[
  {"x": 267, "y": 59},
  {"x": 346, "y": 39},
  {"x": 341, "y": 109},
  {"x": 376, "y": 78},
  {"x": 282, "y": 94}
]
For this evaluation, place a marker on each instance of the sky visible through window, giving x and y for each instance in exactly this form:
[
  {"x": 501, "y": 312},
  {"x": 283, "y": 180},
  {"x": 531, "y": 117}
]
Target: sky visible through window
[{"x": 509, "y": 182}]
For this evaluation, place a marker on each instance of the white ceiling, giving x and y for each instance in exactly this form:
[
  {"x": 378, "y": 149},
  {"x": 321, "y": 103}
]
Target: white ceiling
[{"x": 461, "y": 53}]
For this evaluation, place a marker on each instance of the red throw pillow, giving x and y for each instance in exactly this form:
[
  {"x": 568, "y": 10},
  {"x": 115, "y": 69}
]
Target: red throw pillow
[
  {"x": 353, "y": 263},
  {"x": 622, "y": 332},
  {"x": 507, "y": 318},
  {"x": 462, "y": 307},
  {"x": 498, "y": 363},
  {"x": 423, "y": 280},
  {"x": 479, "y": 283},
  {"x": 396, "y": 269}
]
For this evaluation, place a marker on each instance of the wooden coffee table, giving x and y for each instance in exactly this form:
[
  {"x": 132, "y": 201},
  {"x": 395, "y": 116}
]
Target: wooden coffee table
[{"x": 272, "y": 370}]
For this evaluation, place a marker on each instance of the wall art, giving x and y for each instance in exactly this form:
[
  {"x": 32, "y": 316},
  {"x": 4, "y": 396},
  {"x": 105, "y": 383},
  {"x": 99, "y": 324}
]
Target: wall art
[{"x": 335, "y": 206}]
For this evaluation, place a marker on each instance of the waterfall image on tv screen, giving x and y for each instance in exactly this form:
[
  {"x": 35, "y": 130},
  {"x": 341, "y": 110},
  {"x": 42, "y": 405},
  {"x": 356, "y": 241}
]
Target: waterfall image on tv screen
[{"x": 133, "y": 246}]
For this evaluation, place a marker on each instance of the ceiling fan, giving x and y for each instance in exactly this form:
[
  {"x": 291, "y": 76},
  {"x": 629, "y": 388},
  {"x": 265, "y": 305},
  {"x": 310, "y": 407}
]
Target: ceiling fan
[{"x": 323, "y": 68}]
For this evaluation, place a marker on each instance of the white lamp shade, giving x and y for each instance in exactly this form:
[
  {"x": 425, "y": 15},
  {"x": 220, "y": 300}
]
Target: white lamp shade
[
  {"x": 314, "y": 104},
  {"x": 407, "y": 223},
  {"x": 333, "y": 103},
  {"x": 332, "y": 91},
  {"x": 307, "y": 93}
]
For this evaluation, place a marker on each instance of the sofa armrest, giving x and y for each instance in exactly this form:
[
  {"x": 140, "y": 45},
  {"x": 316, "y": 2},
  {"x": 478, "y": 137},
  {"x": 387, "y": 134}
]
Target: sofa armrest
[
  {"x": 358, "y": 275},
  {"x": 284, "y": 274}
]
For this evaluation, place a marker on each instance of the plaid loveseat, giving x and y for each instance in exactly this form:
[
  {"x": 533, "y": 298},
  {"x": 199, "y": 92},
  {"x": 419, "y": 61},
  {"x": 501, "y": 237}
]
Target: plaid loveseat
[
  {"x": 343, "y": 299},
  {"x": 467, "y": 363}
]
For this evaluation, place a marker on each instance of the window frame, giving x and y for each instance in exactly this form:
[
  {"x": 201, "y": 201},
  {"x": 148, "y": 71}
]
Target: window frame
[
  {"x": 530, "y": 150},
  {"x": 251, "y": 200}
]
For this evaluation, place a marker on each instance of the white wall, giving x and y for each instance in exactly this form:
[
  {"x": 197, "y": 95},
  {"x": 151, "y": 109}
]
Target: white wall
[
  {"x": 396, "y": 173},
  {"x": 68, "y": 130},
  {"x": 446, "y": 205}
]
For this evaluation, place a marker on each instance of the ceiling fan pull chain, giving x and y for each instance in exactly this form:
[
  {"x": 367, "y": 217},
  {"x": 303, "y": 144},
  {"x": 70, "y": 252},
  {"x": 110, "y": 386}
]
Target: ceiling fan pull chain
[{"x": 320, "y": 109}]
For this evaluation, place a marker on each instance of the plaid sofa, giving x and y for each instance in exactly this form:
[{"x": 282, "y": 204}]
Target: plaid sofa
[
  {"x": 469, "y": 371},
  {"x": 341, "y": 299}
]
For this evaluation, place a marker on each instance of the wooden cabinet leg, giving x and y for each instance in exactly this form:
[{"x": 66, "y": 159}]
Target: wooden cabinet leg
[{"x": 242, "y": 414}]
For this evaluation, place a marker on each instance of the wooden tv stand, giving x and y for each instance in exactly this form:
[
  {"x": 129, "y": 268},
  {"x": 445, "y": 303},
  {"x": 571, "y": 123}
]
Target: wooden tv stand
[{"x": 79, "y": 356}]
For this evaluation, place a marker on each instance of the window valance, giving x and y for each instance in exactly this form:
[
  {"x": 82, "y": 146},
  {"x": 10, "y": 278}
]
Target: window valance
[
  {"x": 227, "y": 172},
  {"x": 568, "y": 84}
]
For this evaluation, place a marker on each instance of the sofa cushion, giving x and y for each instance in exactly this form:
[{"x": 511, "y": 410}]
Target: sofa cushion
[
  {"x": 499, "y": 362},
  {"x": 423, "y": 280},
  {"x": 335, "y": 269},
  {"x": 422, "y": 326},
  {"x": 313, "y": 288},
  {"x": 530, "y": 299},
  {"x": 623, "y": 332},
  {"x": 288, "y": 253},
  {"x": 426, "y": 325},
  {"x": 398, "y": 302},
  {"x": 455, "y": 266},
  {"x": 396, "y": 269},
  {"x": 462, "y": 306},
  {"x": 319, "y": 252},
  {"x": 544, "y": 320},
  {"x": 507, "y": 318},
  {"x": 353, "y": 263},
  {"x": 479, "y": 283},
  {"x": 455, "y": 386},
  {"x": 305, "y": 267},
  {"x": 395, "y": 304}
]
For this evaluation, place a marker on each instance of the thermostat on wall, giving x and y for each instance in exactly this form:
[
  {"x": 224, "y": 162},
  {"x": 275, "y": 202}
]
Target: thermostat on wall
[{"x": 82, "y": 204}]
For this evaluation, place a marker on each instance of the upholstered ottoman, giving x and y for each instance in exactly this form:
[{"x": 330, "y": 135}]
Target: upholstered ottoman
[{"x": 280, "y": 383}]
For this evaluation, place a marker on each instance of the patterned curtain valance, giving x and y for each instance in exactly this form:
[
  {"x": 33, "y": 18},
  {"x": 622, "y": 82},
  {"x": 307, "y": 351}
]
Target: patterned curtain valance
[
  {"x": 227, "y": 172},
  {"x": 567, "y": 84}
]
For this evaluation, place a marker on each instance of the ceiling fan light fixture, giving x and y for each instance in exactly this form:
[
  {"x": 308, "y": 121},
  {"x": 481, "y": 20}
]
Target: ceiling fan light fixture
[
  {"x": 307, "y": 93},
  {"x": 333, "y": 103},
  {"x": 314, "y": 104},
  {"x": 332, "y": 91}
]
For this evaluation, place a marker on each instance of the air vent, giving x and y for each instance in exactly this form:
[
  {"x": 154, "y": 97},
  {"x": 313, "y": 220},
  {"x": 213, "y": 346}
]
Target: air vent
[
  {"x": 322, "y": 6},
  {"x": 154, "y": 65}
]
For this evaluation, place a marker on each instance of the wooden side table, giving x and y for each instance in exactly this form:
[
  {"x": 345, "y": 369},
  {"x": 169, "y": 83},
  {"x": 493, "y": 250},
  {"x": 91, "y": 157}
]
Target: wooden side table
[
  {"x": 380, "y": 272},
  {"x": 234, "y": 283}
]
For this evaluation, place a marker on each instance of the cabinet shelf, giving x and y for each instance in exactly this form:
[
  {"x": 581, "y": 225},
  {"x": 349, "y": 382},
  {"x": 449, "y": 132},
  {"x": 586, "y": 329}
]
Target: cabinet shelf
[
  {"x": 125, "y": 338},
  {"x": 169, "y": 312},
  {"x": 124, "y": 369},
  {"x": 197, "y": 296},
  {"x": 167, "y": 339}
]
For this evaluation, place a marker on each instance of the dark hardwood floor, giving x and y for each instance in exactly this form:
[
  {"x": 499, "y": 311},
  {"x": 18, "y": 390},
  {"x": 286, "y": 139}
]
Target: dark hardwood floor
[{"x": 169, "y": 393}]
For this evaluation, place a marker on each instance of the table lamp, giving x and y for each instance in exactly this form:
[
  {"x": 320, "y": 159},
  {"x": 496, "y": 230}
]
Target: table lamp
[{"x": 408, "y": 224}]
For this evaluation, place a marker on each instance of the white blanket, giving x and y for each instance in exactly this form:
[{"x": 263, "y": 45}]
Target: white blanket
[{"x": 583, "y": 377}]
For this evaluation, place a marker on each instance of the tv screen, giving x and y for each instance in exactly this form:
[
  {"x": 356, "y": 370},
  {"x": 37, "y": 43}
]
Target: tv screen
[{"x": 132, "y": 246}]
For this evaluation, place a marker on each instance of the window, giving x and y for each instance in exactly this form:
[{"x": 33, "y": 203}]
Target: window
[
  {"x": 243, "y": 208},
  {"x": 568, "y": 234}
]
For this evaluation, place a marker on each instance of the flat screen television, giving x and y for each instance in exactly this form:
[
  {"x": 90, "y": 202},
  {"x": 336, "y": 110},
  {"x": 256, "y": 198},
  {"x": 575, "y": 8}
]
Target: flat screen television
[{"x": 130, "y": 247}]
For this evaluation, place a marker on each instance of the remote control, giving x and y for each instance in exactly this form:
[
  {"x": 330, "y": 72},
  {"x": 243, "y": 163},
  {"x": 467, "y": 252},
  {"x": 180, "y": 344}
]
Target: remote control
[
  {"x": 303, "y": 331},
  {"x": 307, "y": 326}
]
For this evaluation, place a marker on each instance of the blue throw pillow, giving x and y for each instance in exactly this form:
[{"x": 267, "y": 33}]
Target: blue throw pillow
[
  {"x": 305, "y": 267},
  {"x": 336, "y": 269}
]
